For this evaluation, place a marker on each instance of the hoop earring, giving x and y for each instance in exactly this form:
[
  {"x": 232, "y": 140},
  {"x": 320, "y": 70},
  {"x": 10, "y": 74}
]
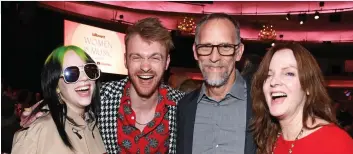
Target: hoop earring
[{"x": 59, "y": 96}]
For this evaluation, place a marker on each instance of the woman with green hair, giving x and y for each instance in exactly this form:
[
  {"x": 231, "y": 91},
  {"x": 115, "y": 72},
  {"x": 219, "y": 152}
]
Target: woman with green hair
[{"x": 71, "y": 97}]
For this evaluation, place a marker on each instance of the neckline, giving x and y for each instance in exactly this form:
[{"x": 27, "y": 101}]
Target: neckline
[{"x": 306, "y": 137}]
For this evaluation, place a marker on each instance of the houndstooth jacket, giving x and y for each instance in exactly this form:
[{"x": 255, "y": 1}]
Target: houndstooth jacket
[{"x": 111, "y": 93}]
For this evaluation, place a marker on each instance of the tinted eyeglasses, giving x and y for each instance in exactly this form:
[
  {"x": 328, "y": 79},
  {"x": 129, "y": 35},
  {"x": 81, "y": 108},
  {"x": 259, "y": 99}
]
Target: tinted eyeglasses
[
  {"x": 223, "y": 49},
  {"x": 72, "y": 73}
]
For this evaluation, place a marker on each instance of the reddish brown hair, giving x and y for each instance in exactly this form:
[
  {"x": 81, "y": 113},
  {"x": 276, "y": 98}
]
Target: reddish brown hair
[
  {"x": 150, "y": 30},
  {"x": 318, "y": 103}
]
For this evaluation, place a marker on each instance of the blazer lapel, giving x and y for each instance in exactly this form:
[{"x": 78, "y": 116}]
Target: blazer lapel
[
  {"x": 175, "y": 96},
  {"x": 110, "y": 93},
  {"x": 187, "y": 122},
  {"x": 250, "y": 147}
]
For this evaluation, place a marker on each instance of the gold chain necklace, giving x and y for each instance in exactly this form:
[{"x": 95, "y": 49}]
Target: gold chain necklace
[
  {"x": 292, "y": 145},
  {"x": 142, "y": 123}
]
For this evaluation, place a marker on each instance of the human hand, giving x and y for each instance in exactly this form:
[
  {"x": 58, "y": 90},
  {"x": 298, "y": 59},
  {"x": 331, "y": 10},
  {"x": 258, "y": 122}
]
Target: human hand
[{"x": 26, "y": 120}]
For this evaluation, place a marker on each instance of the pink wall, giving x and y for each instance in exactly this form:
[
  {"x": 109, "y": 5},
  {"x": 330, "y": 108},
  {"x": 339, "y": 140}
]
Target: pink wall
[
  {"x": 263, "y": 8},
  {"x": 315, "y": 31}
]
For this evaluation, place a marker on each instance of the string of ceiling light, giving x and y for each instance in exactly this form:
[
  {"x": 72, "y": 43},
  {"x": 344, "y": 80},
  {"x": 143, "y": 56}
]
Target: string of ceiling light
[{"x": 301, "y": 14}]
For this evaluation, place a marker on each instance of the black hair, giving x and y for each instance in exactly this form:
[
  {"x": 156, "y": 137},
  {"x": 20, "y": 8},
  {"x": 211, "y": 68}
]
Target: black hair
[{"x": 50, "y": 76}]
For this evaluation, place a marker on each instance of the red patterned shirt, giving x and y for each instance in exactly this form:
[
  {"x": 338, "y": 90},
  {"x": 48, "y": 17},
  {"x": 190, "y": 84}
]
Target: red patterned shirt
[{"x": 155, "y": 136}]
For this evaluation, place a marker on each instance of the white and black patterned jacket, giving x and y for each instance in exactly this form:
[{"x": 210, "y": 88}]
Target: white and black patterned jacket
[{"x": 111, "y": 93}]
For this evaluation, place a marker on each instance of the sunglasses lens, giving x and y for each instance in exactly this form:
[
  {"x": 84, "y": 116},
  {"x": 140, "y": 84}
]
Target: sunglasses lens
[
  {"x": 92, "y": 71},
  {"x": 71, "y": 74}
]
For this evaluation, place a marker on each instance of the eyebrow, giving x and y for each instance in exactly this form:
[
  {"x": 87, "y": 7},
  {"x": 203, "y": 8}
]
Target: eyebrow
[
  {"x": 207, "y": 43},
  {"x": 154, "y": 54},
  {"x": 290, "y": 66}
]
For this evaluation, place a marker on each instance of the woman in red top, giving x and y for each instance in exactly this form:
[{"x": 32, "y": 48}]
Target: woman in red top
[{"x": 291, "y": 107}]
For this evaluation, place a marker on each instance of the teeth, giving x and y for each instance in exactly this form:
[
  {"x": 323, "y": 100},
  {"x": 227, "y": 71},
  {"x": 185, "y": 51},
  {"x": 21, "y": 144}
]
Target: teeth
[
  {"x": 83, "y": 88},
  {"x": 145, "y": 76},
  {"x": 278, "y": 94}
]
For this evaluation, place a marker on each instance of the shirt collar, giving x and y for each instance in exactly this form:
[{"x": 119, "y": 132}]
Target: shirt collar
[
  {"x": 238, "y": 89},
  {"x": 78, "y": 119}
]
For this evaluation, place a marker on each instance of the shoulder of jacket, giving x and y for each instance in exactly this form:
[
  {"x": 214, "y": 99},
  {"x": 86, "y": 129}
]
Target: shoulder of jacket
[
  {"x": 41, "y": 125},
  {"x": 44, "y": 122},
  {"x": 174, "y": 94},
  {"x": 112, "y": 87},
  {"x": 113, "y": 84}
]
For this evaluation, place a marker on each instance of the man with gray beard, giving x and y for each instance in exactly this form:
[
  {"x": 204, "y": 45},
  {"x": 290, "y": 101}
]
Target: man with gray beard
[{"x": 214, "y": 119}]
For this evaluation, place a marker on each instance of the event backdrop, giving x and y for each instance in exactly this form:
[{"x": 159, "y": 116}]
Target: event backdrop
[{"x": 106, "y": 47}]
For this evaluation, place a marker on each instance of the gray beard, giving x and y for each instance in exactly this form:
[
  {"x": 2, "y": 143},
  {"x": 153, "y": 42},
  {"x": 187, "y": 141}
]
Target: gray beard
[{"x": 216, "y": 83}]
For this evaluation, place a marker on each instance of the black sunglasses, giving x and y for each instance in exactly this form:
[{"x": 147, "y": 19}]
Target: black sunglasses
[{"x": 72, "y": 73}]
